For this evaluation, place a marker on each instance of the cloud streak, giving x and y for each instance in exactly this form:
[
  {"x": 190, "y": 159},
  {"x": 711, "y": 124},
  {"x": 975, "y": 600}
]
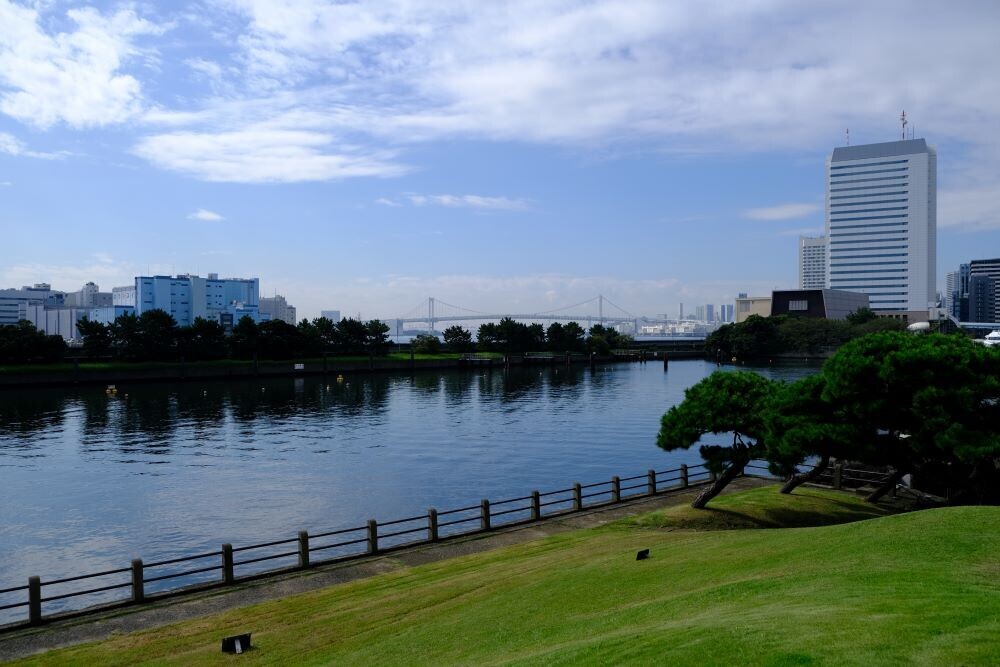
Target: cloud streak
[
  {"x": 782, "y": 212},
  {"x": 469, "y": 201},
  {"x": 205, "y": 215}
]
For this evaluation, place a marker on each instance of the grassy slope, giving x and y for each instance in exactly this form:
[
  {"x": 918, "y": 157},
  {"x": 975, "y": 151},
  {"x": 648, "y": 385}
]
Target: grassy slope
[{"x": 919, "y": 588}]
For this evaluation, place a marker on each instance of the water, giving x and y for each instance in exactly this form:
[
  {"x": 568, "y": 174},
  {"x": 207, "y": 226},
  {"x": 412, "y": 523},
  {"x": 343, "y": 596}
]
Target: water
[{"x": 89, "y": 481}]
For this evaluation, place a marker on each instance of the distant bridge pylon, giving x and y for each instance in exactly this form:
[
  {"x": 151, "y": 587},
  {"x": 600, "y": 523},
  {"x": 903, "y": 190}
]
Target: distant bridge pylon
[{"x": 433, "y": 311}]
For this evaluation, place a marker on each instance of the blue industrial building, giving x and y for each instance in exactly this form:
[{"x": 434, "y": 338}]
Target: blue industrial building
[{"x": 187, "y": 297}]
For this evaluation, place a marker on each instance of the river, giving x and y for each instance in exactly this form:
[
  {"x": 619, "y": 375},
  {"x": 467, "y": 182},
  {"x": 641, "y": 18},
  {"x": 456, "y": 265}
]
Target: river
[{"x": 90, "y": 480}]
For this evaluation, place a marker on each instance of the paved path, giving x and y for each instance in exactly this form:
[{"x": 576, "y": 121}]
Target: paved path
[{"x": 101, "y": 625}]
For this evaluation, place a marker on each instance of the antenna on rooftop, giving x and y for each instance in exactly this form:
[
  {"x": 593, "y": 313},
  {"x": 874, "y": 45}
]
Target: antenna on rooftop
[{"x": 902, "y": 119}]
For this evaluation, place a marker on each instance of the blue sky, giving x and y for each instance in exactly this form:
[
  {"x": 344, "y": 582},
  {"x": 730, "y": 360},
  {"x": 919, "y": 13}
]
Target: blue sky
[{"x": 509, "y": 156}]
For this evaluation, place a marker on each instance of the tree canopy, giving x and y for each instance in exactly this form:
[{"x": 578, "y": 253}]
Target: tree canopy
[
  {"x": 724, "y": 402},
  {"x": 912, "y": 402}
]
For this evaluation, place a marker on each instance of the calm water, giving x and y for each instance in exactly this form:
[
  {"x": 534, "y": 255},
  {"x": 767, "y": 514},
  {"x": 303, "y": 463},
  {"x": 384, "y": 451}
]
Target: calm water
[{"x": 89, "y": 481}]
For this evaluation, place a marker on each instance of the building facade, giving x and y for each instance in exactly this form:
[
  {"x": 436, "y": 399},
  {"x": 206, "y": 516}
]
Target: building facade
[
  {"x": 881, "y": 224},
  {"x": 14, "y": 302},
  {"x": 89, "y": 296},
  {"x": 188, "y": 297},
  {"x": 752, "y": 305},
  {"x": 982, "y": 298},
  {"x": 812, "y": 262},
  {"x": 277, "y": 308},
  {"x": 991, "y": 269},
  {"x": 332, "y": 315},
  {"x": 829, "y": 303},
  {"x": 123, "y": 296}
]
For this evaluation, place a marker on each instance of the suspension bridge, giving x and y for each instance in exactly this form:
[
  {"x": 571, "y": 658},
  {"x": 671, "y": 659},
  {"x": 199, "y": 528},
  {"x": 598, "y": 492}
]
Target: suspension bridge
[{"x": 429, "y": 313}]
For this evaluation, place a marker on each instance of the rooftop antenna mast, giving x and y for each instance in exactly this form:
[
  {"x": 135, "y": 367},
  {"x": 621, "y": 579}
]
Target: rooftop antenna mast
[{"x": 902, "y": 119}]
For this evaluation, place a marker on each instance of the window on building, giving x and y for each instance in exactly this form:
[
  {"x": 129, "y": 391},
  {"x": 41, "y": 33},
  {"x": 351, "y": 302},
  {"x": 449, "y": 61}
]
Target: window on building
[{"x": 798, "y": 304}]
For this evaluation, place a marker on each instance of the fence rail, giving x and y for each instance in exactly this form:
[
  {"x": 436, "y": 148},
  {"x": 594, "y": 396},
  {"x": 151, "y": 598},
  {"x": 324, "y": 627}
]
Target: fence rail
[{"x": 233, "y": 563}]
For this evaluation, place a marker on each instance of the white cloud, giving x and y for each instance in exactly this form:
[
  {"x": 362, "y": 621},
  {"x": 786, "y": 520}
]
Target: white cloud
[
  {"x": 782, "y": 212},
  {"x": 102, "y": 269},
  {"x": 207, "y": 216},
  {"x": 802, "y": 231},
  {"x": 5, "y": 184},
  {"x": 11, "y": 145},
  {"x": 72, "y": 77},
  {"x": 385, "y": 201},
  {"x": 263, "y": 155},
  {"x": 469, "y": 201}
]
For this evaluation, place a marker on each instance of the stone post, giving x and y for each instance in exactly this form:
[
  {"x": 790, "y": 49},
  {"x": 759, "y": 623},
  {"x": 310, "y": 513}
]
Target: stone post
[
  {"x": 577, "y": 497},
  {"x": 616, "y": 489},
  {"x": 536, "y": 506},
  {"x": 303, "y": 549},
  {"x": 227, "y": 564},
  {"x": 138, "y": 585},
  {"x": 484, "y": 514},
  {"x": 432, "y": 525},
  {"x": 684, "y": 476},
  {"x": 34, "y": 600},
  {"x": 651, "y": 483},
  {"x": 372, "y": 536}
]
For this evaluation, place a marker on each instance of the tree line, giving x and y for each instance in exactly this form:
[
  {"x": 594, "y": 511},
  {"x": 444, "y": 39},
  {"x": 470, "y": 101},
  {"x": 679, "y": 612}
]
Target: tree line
[
  {"x": 921, "y": 404},
  {"x": 512, "y": 337},
  {"x": 155, "y": 336},
  {"x": 764, "y": 337},
  {"x": 23, "y": 343}
]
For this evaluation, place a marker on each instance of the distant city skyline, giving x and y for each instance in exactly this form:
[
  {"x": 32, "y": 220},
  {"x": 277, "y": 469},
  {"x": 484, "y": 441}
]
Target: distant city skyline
[{"x": 342, "y": 153}]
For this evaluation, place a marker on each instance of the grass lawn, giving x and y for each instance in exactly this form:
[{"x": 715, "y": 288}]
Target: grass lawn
[{"x": 920, "y": 588}]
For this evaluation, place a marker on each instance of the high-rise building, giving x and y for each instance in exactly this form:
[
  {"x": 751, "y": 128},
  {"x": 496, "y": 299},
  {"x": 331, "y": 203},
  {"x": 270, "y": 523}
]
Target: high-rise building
[
  {"x": 89, "y": 296},
  {"x": 332, "y": 315},
  {"x": 982, "y": 298},
  {"x": 812, "y": 262},
  {"x": 277, "y": 308},
  {"x": 727, "y": 312},
  {"x": 881, "y": 223},
  {"x": 709, "y": 313},
  {"x": 991, "y": 269}
]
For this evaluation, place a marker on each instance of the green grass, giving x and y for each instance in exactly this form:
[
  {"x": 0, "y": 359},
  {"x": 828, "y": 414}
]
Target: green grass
[
  {"x": 918, "y": 588},
  {"x": 765, "y": 508}
]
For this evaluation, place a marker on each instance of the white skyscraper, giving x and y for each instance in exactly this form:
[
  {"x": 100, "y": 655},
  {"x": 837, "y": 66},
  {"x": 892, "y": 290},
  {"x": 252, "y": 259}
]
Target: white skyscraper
[
  {"x": 812, "y": 262},
  {"x": 881, "y": 223}
]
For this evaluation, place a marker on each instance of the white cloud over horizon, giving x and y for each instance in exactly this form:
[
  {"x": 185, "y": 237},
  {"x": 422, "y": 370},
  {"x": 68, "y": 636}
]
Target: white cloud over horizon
[{"x": 791, "y": 211}]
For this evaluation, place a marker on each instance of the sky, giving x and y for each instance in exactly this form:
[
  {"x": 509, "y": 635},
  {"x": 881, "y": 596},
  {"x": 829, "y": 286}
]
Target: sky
[{"x": 499, "y": 156}]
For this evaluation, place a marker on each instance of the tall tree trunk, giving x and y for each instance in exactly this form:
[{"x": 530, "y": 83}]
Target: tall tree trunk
[
  {"x": 887, "y": 486},
  {"x": 796, "y": 480},
  {"x": 723, "y": 480}
]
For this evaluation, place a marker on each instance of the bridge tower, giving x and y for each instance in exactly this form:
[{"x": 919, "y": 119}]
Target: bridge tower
[
  {"x": 600, "y": 309},
  {"x": 430, "y": 313}
]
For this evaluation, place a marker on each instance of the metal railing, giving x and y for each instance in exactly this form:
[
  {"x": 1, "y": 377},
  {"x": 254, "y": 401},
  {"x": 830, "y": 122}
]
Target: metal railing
[{"x": 146, "y": 582}]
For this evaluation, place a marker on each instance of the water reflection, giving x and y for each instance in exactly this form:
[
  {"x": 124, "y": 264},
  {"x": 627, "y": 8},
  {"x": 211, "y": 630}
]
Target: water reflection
[{"x": 159, "y": 470}]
